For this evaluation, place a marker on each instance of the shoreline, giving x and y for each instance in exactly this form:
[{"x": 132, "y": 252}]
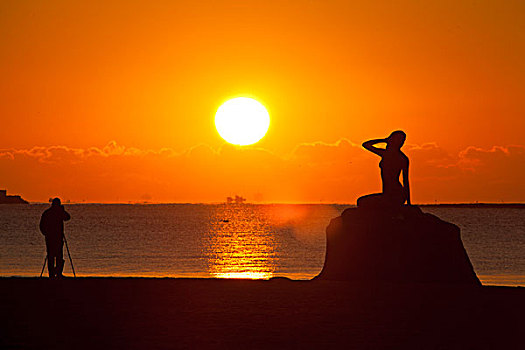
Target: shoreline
[
  {"x": 69, "y": 276},
  {"x": 160, "y": 313}
]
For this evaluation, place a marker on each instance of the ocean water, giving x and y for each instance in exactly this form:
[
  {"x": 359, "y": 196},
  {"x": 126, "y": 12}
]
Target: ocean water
[{"x": 231, "y": 241}]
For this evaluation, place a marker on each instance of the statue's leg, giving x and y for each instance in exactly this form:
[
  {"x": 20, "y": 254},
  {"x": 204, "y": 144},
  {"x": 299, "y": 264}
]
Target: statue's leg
[
  {"x": 397, "y": 198},
  {"x": 371, "y": 201}
]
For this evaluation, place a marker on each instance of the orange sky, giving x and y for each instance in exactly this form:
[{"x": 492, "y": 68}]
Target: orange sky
[{"x": 114, "y": 100}]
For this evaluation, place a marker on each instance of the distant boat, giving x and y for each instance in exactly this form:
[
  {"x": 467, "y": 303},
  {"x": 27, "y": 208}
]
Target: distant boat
[
  {"x": 236, "y": 200},
  {"x": 5, "y": 199}
]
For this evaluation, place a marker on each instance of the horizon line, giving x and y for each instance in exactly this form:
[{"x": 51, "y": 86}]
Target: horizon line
[{"x": 284, "y": 203}]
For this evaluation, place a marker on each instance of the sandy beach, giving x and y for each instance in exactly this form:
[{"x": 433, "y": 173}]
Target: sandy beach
[{"x": 105, "y": 313}]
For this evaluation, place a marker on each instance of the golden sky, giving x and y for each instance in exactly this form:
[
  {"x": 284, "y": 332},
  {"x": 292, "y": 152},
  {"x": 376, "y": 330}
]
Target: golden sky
[{"x": 114, "y": 100}]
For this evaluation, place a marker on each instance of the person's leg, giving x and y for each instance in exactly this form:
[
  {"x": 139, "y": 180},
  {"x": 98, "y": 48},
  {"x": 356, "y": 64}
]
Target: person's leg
[
  {"x": 50, "y": 258},
  {"x": 51, "y": 265},
  {"x": 60, "y": 259}
]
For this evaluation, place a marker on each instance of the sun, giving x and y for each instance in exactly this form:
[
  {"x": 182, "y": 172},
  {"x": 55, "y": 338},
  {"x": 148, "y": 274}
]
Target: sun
[{"x": 242, "y": 121}]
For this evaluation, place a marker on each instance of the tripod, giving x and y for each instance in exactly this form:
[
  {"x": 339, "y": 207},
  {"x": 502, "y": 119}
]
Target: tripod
[{"x": 68, "y": 254}]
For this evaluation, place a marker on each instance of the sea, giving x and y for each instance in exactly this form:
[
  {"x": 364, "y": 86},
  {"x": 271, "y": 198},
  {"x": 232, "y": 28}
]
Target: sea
[{"x": 256, "y": 241}]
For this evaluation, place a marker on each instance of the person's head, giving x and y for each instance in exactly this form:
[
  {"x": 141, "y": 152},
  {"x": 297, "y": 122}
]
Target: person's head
[
  {"x": 56, "y": 202},
  {"x": 396, "y": 139}
]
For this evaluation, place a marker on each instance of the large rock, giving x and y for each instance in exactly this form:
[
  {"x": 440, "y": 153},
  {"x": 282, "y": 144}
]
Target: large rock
[{"x": 402, "y": 245}]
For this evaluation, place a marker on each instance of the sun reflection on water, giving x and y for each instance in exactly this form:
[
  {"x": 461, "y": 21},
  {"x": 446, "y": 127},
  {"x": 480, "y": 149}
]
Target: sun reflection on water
[{"x": 240, "y": 245}]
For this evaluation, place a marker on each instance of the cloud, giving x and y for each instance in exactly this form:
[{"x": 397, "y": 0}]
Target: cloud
[
  {"x": 502, "y": 170},
  {"x": 330, "y": 172},
  {"x": 326, "y": 153},
  {"x": 502, "y": 156}
]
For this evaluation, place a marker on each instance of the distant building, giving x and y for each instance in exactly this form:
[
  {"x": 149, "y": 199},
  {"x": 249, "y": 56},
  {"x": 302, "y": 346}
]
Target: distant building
[{"x": 5, "y": 199}]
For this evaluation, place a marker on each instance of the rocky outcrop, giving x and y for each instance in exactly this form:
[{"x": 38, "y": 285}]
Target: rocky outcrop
[{"x": 395, "y": 245}]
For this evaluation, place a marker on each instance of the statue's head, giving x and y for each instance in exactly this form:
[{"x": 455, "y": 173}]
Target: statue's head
[
  {"x": 396, "y": 140},
  {"x": 56, "y": 202}
]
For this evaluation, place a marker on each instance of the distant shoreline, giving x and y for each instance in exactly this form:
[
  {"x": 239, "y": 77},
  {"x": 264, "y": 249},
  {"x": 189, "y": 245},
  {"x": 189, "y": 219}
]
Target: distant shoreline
[{"x": 475, "y": 205}]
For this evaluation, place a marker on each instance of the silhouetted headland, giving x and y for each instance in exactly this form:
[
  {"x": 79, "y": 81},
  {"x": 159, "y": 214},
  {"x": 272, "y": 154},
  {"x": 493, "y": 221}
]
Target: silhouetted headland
[{"x": 5, "y": 199}]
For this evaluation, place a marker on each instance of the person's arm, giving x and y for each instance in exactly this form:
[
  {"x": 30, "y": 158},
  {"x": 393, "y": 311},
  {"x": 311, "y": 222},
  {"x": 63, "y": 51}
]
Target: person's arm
[
  {"x": 406, "y": 184},
  {"x": 42, "y": 225},
  {"x": 66, "y": 214},
  {"x": 369, "y": 145}
]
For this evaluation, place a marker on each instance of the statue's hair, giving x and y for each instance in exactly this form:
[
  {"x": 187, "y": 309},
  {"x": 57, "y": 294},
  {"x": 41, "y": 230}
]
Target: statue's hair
[{"x": 400, "y": 133}]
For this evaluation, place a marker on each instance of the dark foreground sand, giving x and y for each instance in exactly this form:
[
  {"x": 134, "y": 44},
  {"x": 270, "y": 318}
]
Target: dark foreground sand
[{"x": 106, "y": 313}]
